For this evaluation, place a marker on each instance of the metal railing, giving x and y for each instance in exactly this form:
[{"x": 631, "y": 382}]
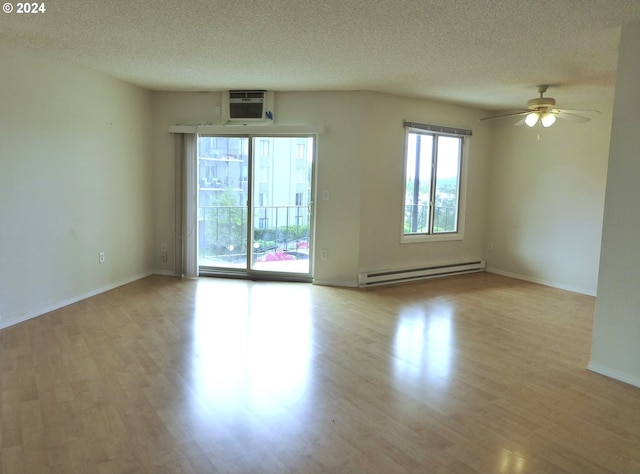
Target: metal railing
[
  {"x": 223, "y": 231},
  {"x": 416, "y": 219}
]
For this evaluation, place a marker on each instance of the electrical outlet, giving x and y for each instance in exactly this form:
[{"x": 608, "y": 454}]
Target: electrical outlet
[
  {"x": 324, "y": 254},
  {"x": 163, "y": 247},
  {"x": 163, "y": 257},
  {"x": 101, "y": 257}
]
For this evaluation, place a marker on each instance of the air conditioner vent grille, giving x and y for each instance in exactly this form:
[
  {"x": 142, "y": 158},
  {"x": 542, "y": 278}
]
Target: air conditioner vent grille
[{"x": 243, "y": 95}]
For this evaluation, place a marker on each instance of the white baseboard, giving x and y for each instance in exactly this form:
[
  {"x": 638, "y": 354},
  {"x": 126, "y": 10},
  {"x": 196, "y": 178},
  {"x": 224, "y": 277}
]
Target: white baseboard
[
  {"x": 4, "y": 323},
  {"x": 539, "y": 281},
  {"x": 165, "y": 273},
  {"x": 613, "y": 374}
]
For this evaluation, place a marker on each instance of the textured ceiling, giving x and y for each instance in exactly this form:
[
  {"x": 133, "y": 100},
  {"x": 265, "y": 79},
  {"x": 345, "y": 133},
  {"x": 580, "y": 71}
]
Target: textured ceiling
[{"x": 489, "y": 54}]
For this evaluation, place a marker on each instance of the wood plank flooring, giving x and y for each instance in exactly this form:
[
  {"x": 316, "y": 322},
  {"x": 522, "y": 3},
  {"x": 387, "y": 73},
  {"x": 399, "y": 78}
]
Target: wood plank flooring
[{"x": 470, "y": 374}]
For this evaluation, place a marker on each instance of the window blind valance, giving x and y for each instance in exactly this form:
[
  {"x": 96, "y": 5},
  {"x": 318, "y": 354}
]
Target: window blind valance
[{"x": 460, "y": 132}]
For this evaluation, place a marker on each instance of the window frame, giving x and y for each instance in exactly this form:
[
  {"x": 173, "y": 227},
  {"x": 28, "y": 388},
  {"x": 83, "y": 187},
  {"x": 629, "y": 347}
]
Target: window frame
[{"x": 430, "y": 236}]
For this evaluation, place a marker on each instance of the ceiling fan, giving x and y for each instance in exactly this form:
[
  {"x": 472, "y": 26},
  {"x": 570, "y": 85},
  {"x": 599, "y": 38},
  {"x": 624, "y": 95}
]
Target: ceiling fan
[{"x": 542, "y": 111}]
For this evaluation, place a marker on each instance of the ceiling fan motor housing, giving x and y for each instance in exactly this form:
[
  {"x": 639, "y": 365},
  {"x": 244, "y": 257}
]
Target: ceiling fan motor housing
[{"x": 541, "y": 103}]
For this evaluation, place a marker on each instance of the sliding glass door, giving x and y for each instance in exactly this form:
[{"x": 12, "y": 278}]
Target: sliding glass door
[
  {"x": 223, "y": 194},
  {"x": 254, "y": 205}
]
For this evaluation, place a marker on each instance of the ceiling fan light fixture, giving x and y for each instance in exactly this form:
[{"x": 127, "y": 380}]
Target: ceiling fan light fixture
[
  {"x": 532, "y": 119},
  {"x": 548, "y": 119},
  {"x": 541, "y": 111}
]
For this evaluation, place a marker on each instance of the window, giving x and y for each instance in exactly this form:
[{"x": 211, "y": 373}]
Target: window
[{"x": 433, "y": 171}]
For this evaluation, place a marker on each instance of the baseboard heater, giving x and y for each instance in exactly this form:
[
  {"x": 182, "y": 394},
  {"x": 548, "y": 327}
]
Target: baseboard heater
[{"x": 409, "y": 274}]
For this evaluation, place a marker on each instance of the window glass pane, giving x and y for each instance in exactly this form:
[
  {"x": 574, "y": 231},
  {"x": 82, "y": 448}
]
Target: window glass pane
[
  {"x": 222, "y": 197},
  {"x": 418, "y": 183},
  {"x": 445, "y": 216},
  {"x": 282, "y": 216}
]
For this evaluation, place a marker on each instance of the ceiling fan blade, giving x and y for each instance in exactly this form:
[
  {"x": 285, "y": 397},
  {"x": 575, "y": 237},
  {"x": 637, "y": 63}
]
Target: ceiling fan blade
[
  {"x": 520, "y": 122},
  {"x": 589, "y": 111},
  {"x": 513, "y": 114},
  {"x": 563, "y": 114}
]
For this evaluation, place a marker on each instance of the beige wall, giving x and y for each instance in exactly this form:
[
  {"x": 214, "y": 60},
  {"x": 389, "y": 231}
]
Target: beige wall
[
  {"x": 360, "y": 163},
  {"x": 339, "y": 170},
  {"x": 383, "y": 184},
  {"x": 75, "y": 179},
  {"x": 539, "y": 203},
  {"x": 547, "y": 198},
  {"x": 172, "y": 108},
  {"x": 616, "y": 332}
]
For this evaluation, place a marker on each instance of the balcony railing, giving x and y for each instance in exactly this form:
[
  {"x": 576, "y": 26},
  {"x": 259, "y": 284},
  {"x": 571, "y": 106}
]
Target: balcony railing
[
  {"x": 416, "y": 219},
  {"x": 279, "y": 232}
]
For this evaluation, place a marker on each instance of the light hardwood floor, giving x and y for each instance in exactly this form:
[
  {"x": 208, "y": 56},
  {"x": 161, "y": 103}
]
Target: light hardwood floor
[{"x": 470, "y": 374}]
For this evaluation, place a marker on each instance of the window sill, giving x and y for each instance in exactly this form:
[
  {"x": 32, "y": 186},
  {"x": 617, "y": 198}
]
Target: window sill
[{"x": 421, "y": 238}]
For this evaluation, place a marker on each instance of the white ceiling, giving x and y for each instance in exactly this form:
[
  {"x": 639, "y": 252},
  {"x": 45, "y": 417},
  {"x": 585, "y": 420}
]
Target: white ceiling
[{"x": 489, "y": 54}]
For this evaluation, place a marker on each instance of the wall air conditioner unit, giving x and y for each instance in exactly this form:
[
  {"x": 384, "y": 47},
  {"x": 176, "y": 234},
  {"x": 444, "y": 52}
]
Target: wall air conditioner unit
[{"x": 245, "y": 107}]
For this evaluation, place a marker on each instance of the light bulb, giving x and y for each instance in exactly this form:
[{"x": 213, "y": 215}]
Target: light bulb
[
  {"x": 531, "y": 119},
  {"x": 547, "y": 119}
]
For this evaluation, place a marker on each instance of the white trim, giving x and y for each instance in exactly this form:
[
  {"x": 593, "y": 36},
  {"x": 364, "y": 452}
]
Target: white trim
[
  {"x": 419, "y": 238},
  {"x": 237, "y": 129},
  {"x": 613, "y": 374},
  {"x": 540, "y": 281},
  {"x": 6, "y": 322},
  {"x": 165, "y": 273}
]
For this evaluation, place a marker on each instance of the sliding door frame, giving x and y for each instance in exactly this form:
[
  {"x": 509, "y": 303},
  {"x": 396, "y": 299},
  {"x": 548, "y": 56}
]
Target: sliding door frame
[{"x": 248, "y": 272}]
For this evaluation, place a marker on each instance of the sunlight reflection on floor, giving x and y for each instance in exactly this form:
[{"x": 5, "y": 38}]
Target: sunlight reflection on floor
[
  {"x": 423, "y": 344},
  {"x": 248, "y": 354}
]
